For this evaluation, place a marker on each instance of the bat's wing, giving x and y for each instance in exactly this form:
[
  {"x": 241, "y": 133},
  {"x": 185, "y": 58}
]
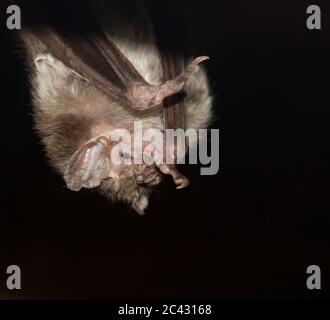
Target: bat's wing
[
  {"x": 88, "y": 51},
  {"x": 91, "y": 53},
  {"x": 171, "y": 28}
]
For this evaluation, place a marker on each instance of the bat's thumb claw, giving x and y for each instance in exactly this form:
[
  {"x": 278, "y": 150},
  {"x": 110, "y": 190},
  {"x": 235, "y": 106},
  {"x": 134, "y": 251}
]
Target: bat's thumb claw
[
  {"x": 203, "y": 58},
  {"x": 144, "y": 96},
  {"x": 193, "y": 66},
  {"x": 199, "y": 60}
]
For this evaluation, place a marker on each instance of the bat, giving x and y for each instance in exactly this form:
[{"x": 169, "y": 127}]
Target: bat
[{"x": 100, "y": 67}]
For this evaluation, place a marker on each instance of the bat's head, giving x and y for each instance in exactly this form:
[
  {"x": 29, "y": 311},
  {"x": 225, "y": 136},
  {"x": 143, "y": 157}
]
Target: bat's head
[
  {"x": 129, "y": 171},
  {"x": 113, "y": 167}
]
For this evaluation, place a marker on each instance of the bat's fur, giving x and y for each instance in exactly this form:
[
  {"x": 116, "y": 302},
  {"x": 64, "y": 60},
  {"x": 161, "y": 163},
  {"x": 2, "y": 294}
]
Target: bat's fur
[{"x": 69, "y": 111}]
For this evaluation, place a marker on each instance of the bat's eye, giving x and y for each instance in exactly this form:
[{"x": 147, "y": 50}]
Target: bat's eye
[{"x": 125, "y": 156}]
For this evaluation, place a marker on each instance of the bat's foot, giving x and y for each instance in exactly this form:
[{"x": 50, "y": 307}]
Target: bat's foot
[
  {"x": 147, "y": 175},
  {"x": 179, "y": 179},
  {"x": 144, "y": 96}
]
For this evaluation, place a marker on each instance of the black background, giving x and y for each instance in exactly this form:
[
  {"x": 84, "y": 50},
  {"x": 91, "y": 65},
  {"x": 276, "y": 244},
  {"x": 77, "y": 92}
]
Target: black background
[{"x": 248, "y": 232}]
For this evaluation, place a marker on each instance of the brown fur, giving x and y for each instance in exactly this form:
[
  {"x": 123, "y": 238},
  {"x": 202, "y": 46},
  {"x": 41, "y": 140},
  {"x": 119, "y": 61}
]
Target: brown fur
[{"x": 69, "y": 111}]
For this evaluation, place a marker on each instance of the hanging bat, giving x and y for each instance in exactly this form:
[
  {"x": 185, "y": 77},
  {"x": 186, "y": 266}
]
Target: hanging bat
[{"x": 103, "y": 68}]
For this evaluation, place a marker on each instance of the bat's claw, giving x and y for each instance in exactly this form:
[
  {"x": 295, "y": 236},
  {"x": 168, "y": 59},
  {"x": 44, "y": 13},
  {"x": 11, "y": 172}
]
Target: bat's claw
[
  {"x": 193, "y": 66},
  {"x": 179, "y": 179},
  {"x": 182, "y": 182}
]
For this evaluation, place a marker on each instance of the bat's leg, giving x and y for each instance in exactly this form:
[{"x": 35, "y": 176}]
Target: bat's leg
[
  {"x": 179, "y": 179},
  {"x": 88, "y": 166},
  {"x": 144, "y": 96}
]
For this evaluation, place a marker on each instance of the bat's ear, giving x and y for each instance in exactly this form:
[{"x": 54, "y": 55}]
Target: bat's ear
[
  {"x": 144, "y": 95},
  {"x": 88, "y": 166}
]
